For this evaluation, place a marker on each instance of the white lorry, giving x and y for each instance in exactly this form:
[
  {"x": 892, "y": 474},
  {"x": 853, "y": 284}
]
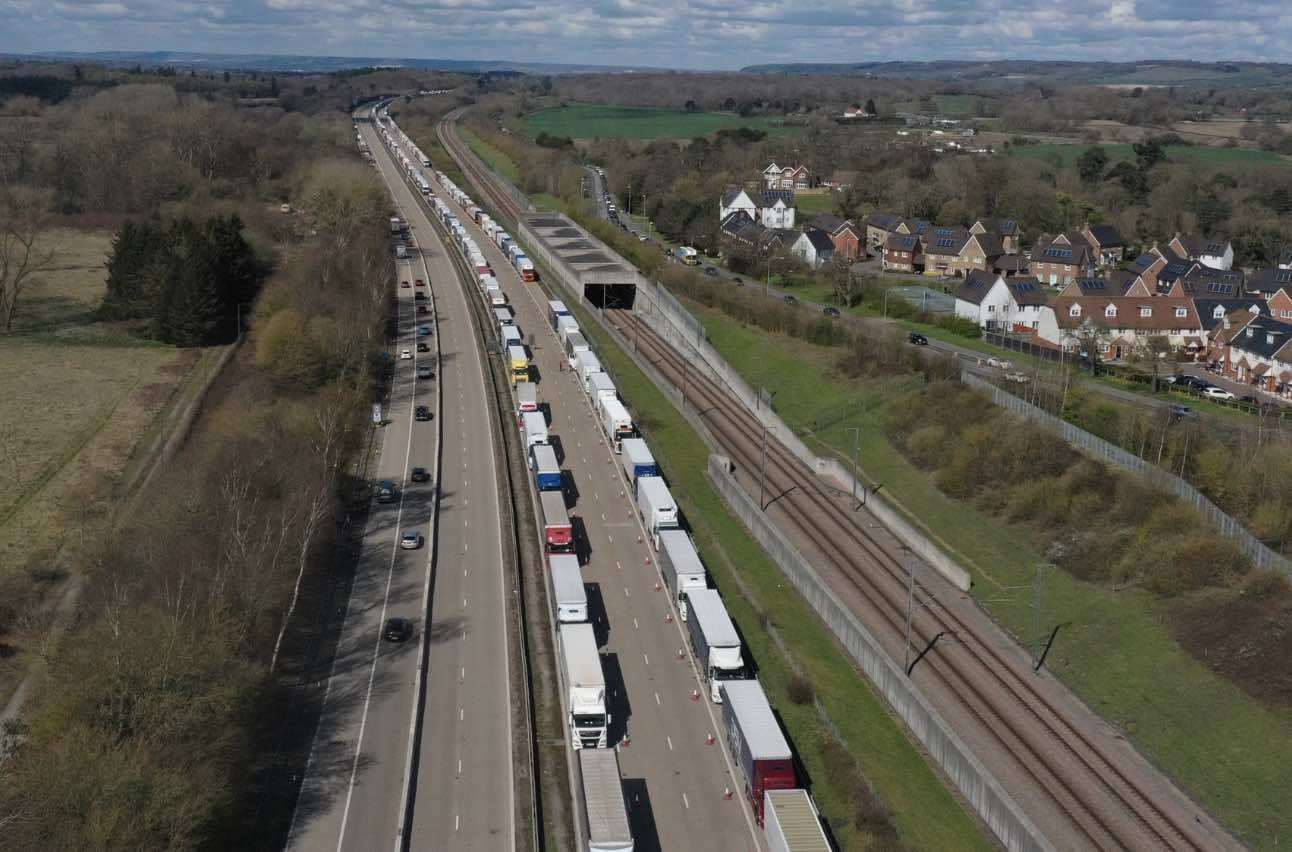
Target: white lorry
[
  {"x": 715, "y": 640},
  {"x": 791, "y": 822},
  {"x": 588, "y": 364},
  {"x": 603, "y": 802},
  {"x": 657, "y": 507},
  {"x": 615, "y": 421},
  {"x": 599, "y": 385},
  {"x": 570, "y": 597},
  {"x": 534, "y": 427},
  {"x": 681, "y": 566},
  {"x": 585, "y": 686},
  {"x": 575, "y": 345}
]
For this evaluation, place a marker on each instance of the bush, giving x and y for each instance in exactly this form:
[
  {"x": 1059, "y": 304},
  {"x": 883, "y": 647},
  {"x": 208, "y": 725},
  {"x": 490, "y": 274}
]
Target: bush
[{"x": 800, "y": 690}]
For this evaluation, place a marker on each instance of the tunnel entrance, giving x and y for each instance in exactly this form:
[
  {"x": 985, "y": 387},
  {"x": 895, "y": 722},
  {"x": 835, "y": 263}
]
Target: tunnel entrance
[{"x": 612, "y": 296}]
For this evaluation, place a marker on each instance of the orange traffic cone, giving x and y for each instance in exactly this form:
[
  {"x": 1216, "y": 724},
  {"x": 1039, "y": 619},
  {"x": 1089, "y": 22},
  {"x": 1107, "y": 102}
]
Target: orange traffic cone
[
  {"x": 695, "y": 695},
  {"x": 710, "y": 740},
  {"x": 726, "y": 792}
]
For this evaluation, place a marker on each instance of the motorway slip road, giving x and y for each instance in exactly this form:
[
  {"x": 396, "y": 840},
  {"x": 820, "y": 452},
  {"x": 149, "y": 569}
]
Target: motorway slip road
[
  {"x": 355, "y": 782},
  {"x": 673, "y": 778}
]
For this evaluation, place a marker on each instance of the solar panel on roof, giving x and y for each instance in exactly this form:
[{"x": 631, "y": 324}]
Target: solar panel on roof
[
  {"x": 1284, "y": 277},
  {"x": 946, "y": 243}
]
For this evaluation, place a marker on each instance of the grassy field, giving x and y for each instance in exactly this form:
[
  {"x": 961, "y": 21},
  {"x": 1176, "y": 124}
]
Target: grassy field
[
  {"x": 1232, "y": 754},
  {"x": 1068, "y": 154},
  {"x": 78, "y": 396},
  {"x": 926, "y": 814},
  {"x": 587, "y": 121},
  {"x": 497, "y": 160},
  {"x": 810, "y": 205}
]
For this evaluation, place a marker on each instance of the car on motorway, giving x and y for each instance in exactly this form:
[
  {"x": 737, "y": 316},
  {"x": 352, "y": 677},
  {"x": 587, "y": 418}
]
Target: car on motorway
[
  {"x": 423, "y": 330},
  {"x": 410, "y": 541},
  {"x": 405, "y": 354},
  {"x": 831, "y": 312},
  {"x": 404, "y": 285},
  {"x": 422, "y": 413},
  {"x": 790, "y": 300},
  {"x": 917, "y": 338},
  {"x": 423, "y": 347},
  {"x": 419, "y": 283},
  {"x": 397, "y": 630},
  {"x": 711, "y": 272},
  {"x": 641, "y": 238},
  {"x": 424, "y": 371},
  {"x": 1217, "y": 393},
  {"x": 386, "y": 492},
  {"x": 1002, "y": 363},
  {"x": 1017, "y": 377},
  {"x": 419, "y": 295},
  {"x": 420, "y": 474}
]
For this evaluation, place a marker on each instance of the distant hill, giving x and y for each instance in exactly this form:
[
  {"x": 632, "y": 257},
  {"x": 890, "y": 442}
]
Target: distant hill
[
  {"x": 1149, "y": 72},
  {"x": 311, "y": 64}
]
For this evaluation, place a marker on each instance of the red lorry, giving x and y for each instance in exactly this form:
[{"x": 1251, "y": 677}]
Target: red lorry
[{"x": 757, "y": 745}]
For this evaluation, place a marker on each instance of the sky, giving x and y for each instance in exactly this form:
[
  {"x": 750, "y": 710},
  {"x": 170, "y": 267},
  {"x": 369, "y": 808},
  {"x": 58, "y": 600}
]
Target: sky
[{"x": 701, "y": 34}]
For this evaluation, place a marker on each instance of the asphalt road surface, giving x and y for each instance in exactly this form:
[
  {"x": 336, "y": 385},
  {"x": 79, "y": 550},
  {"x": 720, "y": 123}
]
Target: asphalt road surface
[
  {"x": 673, "y": 779},
  {"x": 355, "y": 782}
]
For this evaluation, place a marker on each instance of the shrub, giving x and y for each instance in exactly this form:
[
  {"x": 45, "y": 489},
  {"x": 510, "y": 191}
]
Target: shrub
[{"x": 800, "y": 690}]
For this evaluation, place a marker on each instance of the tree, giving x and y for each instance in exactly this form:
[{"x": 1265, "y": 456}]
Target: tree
[
  {"x": 848, "y": 202},
  {"x": 1091, "y": 163},
  {"x": 1153, "y": 353},
  {"x": 22, "y": 253},
  {"x": 844, "y": 284},
  {"x": 226, "y": 76},
  {"x": 137, "y": 271},
  {"x": 1091, "y": 338},
  {"x": 273, "y": 87},
  {"x": 1148, "y": 154},
  {"x": 870, "y": 107}
]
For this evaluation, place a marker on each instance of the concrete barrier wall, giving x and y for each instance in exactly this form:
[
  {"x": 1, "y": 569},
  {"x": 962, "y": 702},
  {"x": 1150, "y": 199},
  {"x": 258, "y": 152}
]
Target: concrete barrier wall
[{"x": 987, "y": 797}]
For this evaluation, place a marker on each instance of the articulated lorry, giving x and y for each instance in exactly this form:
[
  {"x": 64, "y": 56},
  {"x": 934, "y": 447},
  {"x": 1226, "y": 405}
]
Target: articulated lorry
[
  {"x": 714, "y": 639},
  {"x": 755, "y": 742},
  {"x": 791, "y": 822},
  {"x": 599, "y": 385},
  {"x": 558, "y": 532},
  {"x": 519, "y": 363},
  {"x": 681, "y": 566},
  {"x": 656, "y": 506},
  {"x": 637, "y": 461},
  {"x": 534, "y": 427},
  {"x": 547, "y": 473},
  {"x": 615, "y": 421},
  {"x": 568, "y": 594},
  {"x": 585, "y": 686}
]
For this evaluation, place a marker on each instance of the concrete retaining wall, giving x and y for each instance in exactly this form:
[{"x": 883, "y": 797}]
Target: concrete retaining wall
[{"x": 991, "y": 802}]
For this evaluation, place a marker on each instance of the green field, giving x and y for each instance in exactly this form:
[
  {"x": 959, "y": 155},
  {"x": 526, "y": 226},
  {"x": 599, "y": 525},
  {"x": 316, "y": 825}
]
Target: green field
[
  {"x": 1068, "y": 154},
  {"x": 773, "y": 618},
  {"x": 1115, "y": 651},
  {"x": 810, "y": 205},
  {"x": 590, "y": 121}
]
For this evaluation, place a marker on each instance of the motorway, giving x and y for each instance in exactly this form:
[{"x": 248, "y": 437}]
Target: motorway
[
  {"x": 674, "y": 780},
  {"x": 354, "y": 788}
]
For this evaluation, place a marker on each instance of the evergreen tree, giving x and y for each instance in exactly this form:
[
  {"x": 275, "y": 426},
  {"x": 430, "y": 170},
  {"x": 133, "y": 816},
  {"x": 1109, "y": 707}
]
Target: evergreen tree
[
  {"x": 193, "y": 309},
  {"x": 137, "y": 269}
]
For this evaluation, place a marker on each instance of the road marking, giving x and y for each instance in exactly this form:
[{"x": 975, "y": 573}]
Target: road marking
[
  {"x": 635, "y": 624},
  {"x": 459, "y": 767},
  {"x": 657, "y": 699},
  {"x": 461, "y": 714},
  {"x": 619, "y": 565},
  {"x": 686, "y": 801},
  {"x": 457, "y": 822},
  {"x": 625, "y": 591},
  {"x": 669, "y": 740},
  {"x": 464, "y": 602},
  {"x": 463, "y": 677},
  {"x": 646, "y": 658}
]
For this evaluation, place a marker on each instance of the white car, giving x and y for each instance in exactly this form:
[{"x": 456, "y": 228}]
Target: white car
[
  {"x": 410, "y": 541},
  {"x": 993, "y": 361},
  {"x": 405, "y": 354},
  {"x": 1217, "y": 393}
]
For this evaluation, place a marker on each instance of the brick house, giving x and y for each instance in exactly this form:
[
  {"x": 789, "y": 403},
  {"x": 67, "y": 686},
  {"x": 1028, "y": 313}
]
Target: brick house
[
  {"x": 1205, "y": 283},
  {"x": 1109, "y": 247},
  {"x": 844, "y": 234},
  {"x": 1279, "y": 305},
  {"x": 979, "y": 252},
  {"x": 902, "y": 253},
  {"x": 1124, "y": 321},
  {"x": 1257, "y": 350},
  {"x": 1061, "y": 261},
  {"x": 786, "y": 177},
  {"x": 879, "y": 227},
  {"x": 1148, "y": 265},
  {"x": 942, "y": 248},
  {"x": 1006, "y": 230},
  {"x": 1267, "y": 282},
  {"x": 1216, "y": 253}
]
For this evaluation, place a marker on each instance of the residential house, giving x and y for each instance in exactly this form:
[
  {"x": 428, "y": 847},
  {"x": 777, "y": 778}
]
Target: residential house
[
  {"x": 1257, "y": 350},
  {"x": 786, "y": 177},
  {"x": 1205, "y": 282},
  {"x": 1108, "y": 286},
  {"x": 815, "y": 247},
  {"x": 1170, "y": 276},
  {"x": 739, "y": 228},
  {"x": 979, "y": 252},
  {"x": 1122, "y": 323},
  {"x": 773, "y": 240},
  {"x": 942, "y": 247},
  {"x": 1279, "y": 305},
  {"x": 902, "y": 254},
  {"x": 735, "y": 200},
  {"x": 1217, "y": 253},
  {"x": 879, "y": 227},
  {"x": 1285, "y": 260},
  {"x": 776, "y": 208},
  {"x": 1061, "y": 261},
  {"x": 1001, "y": 304},
  {"x": 841, "y": 179},
  {"x": 1109, "y": 247},
  {"x": 1149, "y": 264},
  {"x": 1010, "y": 264},
  {"x": 1267, "y": 282},
  {"x": 1004, "y": 229},
  {"x": 844, "y": 234},
  {"x": 1212, "y": 314}
]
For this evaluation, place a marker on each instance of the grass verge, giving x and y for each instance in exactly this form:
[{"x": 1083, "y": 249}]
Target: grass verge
[
  {"x": 497, "y": 160},
  {"x": 1115, "y": 650},
  {"x": 924, "y": 810}
]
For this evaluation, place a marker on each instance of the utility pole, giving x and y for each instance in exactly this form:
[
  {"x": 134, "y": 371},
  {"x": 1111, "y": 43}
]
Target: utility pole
[
  {"x": 910, "y": 604},
  {"x": 762, "y": 474},
  {"x": 856, "y": 469}
]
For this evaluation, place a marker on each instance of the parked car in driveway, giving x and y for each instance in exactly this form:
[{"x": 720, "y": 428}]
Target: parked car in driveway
[
  {"x": 1181, "y": 411},
  {"x": 1217, "y": 393},
  {"x": 1193, "y": 382},
  {"x": 918, "y": 339}
]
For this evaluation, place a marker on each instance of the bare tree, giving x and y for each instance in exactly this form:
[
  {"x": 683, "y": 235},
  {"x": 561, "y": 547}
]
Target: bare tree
[
  {"x": 844, "y": 283},
  {"x": 22, "y": 255},
  {"x": 1153, "y": 354}
]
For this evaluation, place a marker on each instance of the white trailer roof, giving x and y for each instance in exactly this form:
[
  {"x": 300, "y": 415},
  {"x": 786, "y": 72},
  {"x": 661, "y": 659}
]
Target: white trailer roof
[
  {"x": 797, "y": 817},
  {"x": 656, "y": 492},
  {"x": 681, "y": 552},
  {"x": 603, "y": 793},
  {"x": 567, "y": 578},
  {"x": 638, "y": 451},
  {"x": 707, "y": 607},
  {"x": 749, "y": 704},
  {"x": 583, "y": 662}
]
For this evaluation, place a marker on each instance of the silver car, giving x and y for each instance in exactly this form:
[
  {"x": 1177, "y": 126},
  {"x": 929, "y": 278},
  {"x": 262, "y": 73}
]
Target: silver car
[{"x": 410, "y": 541}]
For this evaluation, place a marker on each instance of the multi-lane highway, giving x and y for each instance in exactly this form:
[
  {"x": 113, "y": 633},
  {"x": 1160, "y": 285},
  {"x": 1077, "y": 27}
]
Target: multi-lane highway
[
  {"x": 674, "y": 778},
  {"x": 355, "y": 788}
]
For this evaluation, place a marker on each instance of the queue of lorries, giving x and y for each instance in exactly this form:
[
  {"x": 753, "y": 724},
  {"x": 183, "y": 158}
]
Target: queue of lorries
[{"x": 752, "y": 734}]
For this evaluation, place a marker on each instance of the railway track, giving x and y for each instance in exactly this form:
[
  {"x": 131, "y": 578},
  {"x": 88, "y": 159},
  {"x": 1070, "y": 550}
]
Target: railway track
[{"x": 1105, "y": 807}]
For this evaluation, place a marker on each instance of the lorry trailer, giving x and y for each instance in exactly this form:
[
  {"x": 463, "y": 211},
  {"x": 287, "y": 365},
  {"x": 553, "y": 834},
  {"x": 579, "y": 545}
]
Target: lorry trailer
[
  {"x": 755, "y": 742},
  {"x": 575, "y": 345},
  {"x": 615, "y": 420},
  {"x": 558, "y": 533},
  {"x": 534, "y": 426},
  {"x": 599, "y": 385},
  {"x": 519, "y": 362},
  {"x": 570, "y": 598},
  {"x": 714, "y": 639},
  {"x": 636, "y": 458},
  {"x": 511, "y": 336},
  {"x": 585, "y": 686},
  {"x": 588, "y": 363},
  {"x": 555, "y": 310},
  {"x": 791, "y": 822},
  {"x": 681, "y": 566},
  {"x": 526, "y": 397},
  {"x": 547, "y": 473},
  {"x": 603, "y": 801}
]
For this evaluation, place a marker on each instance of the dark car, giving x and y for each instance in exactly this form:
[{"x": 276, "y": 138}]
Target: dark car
[
  {"x": 404, "y": 284},
  {"x": 397, "y": 630},
  {"x": 1249, "y": 399},
  {"x": 1181, "y": 411},
  {"x": 832, "y": 313},
  {"x": 790, "y": 300},
  {"x": 420, "y": 474},
  {"x": 918, "y": 339},
  {"x": 424, "y": 371},
  {"x": 423, "y": 347},
  {"x": 711, "y": 272},
  {"x": 423, "y": 309},
  {"x": 737, "y": 280},
  {"x": 423, "y": 330},
  {"x": 1194, "y": 382},
  {"x": 419, "y": 295},
  {"x": 386, "y": 492},
  {"x": 422, "y": 413}
]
